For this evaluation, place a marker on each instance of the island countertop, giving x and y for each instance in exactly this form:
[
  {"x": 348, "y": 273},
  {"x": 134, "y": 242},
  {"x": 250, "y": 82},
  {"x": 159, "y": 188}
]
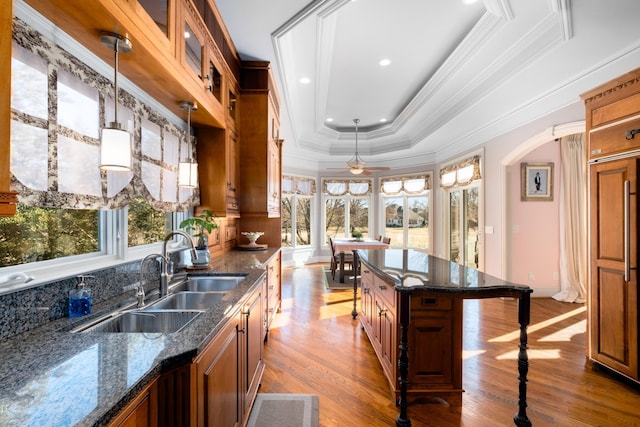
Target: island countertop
[
  {"x": 52, "y": 377},
  {"x": 415, "y": 270}
]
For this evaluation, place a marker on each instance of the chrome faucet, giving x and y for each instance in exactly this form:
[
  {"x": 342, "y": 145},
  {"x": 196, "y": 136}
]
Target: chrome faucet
[
  {"x": 167, "y": 265},
  {"x": 140, "y": 289}
]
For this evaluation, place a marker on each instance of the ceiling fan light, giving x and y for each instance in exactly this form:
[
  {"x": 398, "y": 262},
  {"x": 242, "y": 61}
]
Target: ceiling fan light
[
  {"x": 356, "y": 170},
  {"x": 115, "y": 149}
]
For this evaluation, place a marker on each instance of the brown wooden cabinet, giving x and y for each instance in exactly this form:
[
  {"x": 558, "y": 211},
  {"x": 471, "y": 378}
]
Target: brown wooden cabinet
[
  {"x": 613, "y": 299},
  {"x": 229, "y": 371},
  {"x": 141, "y": 411},
  {"x": 435, "y": 338},
  {"x": 611, "y": 117},
  {"x": 273, "y": 291},
  {"x": 218, "y": 171},
  {"x": 260, "y": 153}
]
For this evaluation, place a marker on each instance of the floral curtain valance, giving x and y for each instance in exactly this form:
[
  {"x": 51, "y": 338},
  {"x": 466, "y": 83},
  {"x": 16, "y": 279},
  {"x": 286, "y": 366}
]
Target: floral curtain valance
[
  {"x": 338, "y": 187},
  {"x": 58, "y": 107},
  {"x": 298, "y": 185},
  {"x": 461, "y": 173},
  {"x": 407, "y": 184}
]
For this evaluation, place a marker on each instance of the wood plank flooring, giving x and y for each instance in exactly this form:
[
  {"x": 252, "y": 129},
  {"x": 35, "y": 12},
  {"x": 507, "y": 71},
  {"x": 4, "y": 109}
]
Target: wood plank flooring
[{"x": 316, "y": 347}]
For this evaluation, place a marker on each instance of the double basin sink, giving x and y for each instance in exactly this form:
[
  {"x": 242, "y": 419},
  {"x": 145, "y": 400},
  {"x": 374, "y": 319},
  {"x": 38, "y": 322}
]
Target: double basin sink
[{"x": 186, "y": 301}]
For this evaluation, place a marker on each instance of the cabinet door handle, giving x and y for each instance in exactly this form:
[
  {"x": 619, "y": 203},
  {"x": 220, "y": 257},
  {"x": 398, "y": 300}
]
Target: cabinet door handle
[
  {"x": 382, "y": 287},
  {"x": 627, "y": 237},
  {"x": 365, "y": 290}
]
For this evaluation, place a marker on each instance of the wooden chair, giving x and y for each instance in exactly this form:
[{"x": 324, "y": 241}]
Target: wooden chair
[
  {"x": 379, "y": 237},
  {"x": 386, "y": 240},
  {"x": 335, "y": 259}
]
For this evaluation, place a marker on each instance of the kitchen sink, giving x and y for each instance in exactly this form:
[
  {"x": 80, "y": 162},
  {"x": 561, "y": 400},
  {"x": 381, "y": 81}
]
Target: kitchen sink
[
  {"x": 208, "y": 284},
  {"x": 188, "y": 301},
  {"x": 147, "y": 321}
]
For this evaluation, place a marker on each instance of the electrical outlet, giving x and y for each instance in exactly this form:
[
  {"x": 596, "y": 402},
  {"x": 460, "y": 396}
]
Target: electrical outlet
[
  {"x": 532, "y": 277},
  {"x": 556, "y": 276}
]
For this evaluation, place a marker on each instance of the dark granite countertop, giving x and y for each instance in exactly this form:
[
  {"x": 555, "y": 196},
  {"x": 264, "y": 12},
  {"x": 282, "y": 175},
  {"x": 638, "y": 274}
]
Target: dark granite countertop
[
  {"x": 52, "y": 377},
  {"x": 414, "y": 270}
]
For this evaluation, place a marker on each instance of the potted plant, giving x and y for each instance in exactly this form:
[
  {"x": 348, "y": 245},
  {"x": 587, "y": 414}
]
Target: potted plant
[
  {"x": 356, "y": 235},
  {"x": 201, "y": 226}
]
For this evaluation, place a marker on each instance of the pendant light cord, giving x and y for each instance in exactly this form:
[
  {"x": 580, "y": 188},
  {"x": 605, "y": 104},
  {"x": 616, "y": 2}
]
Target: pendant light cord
[{"x": 115, "y": 83}]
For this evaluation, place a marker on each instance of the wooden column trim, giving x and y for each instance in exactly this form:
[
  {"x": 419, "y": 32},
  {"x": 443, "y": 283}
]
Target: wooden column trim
[{"x": 8, "y": 199}]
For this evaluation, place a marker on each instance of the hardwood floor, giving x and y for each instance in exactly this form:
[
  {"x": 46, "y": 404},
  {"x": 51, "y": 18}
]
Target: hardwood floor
[{"x": 316, "y": 347}]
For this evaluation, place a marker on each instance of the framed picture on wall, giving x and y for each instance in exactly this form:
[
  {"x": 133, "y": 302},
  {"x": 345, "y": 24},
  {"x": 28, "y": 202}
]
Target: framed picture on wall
[{"x": 536, "y": 182}]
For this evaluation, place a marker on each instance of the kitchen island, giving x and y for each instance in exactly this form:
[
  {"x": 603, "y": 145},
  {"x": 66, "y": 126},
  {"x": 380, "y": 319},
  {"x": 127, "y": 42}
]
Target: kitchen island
[
  {"x": 411, "y": 310},
  {"x": 51, "y": 376}
]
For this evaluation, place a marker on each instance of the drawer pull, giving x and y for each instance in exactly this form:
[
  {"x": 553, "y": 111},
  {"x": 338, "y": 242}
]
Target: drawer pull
[
  {"x": 383, "y": 287},
  {"x": 631, "y": 133},
  {"x": 429, "y": 301}
]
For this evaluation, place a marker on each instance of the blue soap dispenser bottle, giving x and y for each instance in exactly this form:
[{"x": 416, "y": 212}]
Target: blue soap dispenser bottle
[{"x": 80, "y": 298}]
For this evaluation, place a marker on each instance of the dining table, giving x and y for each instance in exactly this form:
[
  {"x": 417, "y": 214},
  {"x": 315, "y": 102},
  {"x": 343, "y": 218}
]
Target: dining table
[{"x": 344, "y": 245}]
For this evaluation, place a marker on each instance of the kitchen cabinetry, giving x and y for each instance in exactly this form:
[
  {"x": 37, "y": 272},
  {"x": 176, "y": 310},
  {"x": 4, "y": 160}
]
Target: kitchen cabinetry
[
  {"x": 435, "y": 338},
  {"x": 7, "y": 198},
  {"x": 218, "y": 171},
  {"x": 229, "y": 371},
  {"x": 273, "y": 295},
  {"x": 613, "y": 119},
  {"x": 141, "y": 411},
  {"x": 260, "y": 152}
]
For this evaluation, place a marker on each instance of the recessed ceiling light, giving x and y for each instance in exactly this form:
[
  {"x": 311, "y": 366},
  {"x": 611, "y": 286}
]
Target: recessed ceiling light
[
  {"x": 384, "y": 62},
  {"x": 305, "y": 80},
  {"x": 469, "y": 1},
  {"x": 329, "y": 119},
  {"x": 383, "y": 120}
]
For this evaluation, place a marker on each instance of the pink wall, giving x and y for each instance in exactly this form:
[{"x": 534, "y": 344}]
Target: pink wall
[{"x": 533, "y": 228}]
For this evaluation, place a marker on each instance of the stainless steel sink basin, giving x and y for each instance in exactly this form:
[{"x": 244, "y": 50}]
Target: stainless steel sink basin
[
  {"x": 148, "y": 321},
  {"x": 188, "y": 301},
  {"x": 208, "y": 284}
]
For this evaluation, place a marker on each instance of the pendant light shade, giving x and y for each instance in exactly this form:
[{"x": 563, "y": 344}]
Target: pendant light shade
[
  {"x": 115, "y": 149},
  {"x": 115, "y": 142},
  {"x": 188, "y": 170}
]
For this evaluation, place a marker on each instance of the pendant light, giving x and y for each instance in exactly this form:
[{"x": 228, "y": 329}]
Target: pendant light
[
  {"x": 188, "y": 170},
  {"x": 356, "y": 164},
  {"x": 115, "y": 142}
]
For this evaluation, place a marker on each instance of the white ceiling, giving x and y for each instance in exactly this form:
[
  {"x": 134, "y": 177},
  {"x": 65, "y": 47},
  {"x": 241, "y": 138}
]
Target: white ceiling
[{"x": 460, "y": 74}]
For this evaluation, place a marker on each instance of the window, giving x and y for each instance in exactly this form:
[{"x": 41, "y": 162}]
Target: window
[
  {"x": 406, "y": 202},
  {"x": 68, "y": 211},
  {"x": 461, "y": 182},
  {"x": 296, "y": 221},
  {"x": 39, "y": 234},
  {"x": 297, "y": 210},
  {"x": 146, "y": 225},
  {"x": 346, "y": 207}
]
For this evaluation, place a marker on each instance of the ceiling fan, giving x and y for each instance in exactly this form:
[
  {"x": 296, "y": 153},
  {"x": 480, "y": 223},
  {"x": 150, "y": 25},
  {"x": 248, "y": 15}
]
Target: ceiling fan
[{"x": 356, "y": 165}]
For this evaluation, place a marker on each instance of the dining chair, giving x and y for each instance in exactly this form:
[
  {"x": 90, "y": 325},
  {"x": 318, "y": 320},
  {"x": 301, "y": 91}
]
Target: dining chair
[
  {"x": 379, "y": 237},
  {"x": 386, "y": 240},
  {"x": 335, "y": 259}
]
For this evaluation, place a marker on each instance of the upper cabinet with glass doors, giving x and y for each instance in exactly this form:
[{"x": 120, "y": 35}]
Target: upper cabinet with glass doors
[{"x": 181, "y": 49}]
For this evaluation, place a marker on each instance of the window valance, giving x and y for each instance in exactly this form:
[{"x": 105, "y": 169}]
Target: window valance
[
  {"x": 58, "y": 107},
  {"x": 339, "y": 187},
  {"x": 408, "y": 184},
  {"x": 461, "y": 173},
  {"x": 298, "y": 185}
]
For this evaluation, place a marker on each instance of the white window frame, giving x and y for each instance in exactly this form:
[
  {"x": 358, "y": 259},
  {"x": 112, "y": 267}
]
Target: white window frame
[{"x": 294, "y": 221}]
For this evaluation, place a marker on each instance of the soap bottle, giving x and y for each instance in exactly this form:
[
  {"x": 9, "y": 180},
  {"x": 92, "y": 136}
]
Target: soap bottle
[{"x": 80, "y": 299}]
